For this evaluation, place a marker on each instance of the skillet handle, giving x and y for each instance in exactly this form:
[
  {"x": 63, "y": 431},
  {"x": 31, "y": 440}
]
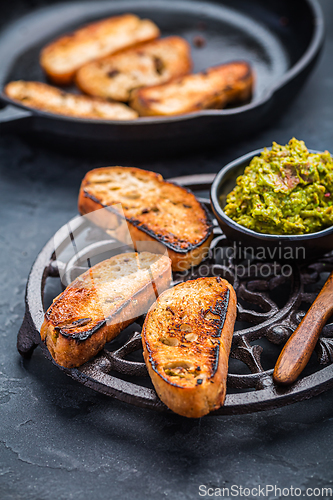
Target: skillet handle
[{"x": 13, "y": 118}]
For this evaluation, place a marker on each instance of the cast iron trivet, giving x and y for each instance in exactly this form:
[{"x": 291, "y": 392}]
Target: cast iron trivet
[{"x": 270, "y": 306}]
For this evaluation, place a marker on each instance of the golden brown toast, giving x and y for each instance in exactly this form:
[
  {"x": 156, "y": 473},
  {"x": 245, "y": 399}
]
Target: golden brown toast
[
  {"x": 44, "y": 97},
  {"x": 152, "y": 63},
  {"x": 155, "y": 210},
  {"x": 211, "y": 89},
  {"x": 63, "y": 57},
  {"x": 186, "y": 341},
  {"x": 100, "y": 303}
]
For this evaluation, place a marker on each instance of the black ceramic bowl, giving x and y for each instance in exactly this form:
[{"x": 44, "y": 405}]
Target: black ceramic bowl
[{"x": 273, "y": 247}]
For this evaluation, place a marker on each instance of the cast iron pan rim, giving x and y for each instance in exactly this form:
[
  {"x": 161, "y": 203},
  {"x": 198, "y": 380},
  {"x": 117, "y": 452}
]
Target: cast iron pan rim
[
  {"x": 314, "y": 46},
  {"x": 304, "y": 61},
  {"x": 242, "y": 229}
]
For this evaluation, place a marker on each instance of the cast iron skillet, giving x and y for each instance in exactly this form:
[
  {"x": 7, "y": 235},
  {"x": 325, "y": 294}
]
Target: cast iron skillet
[
  {"x": 281, "y": 39},
  {"x": 299, "y": 247}
]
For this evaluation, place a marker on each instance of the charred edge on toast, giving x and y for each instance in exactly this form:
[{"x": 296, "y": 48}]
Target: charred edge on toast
[
  {"x": 142, "y": 227},
  {"x": 221, "y": 308},
  {"x": 85, "y": 334},
  {"x": 81, "y": 336}
]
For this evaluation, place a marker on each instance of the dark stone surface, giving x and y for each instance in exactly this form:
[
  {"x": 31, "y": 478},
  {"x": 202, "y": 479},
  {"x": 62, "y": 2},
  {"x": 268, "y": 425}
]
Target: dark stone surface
[{"x": 59, "y": 440}]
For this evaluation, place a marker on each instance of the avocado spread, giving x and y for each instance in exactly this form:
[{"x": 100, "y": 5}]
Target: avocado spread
[{"x": 285, "y": 190}]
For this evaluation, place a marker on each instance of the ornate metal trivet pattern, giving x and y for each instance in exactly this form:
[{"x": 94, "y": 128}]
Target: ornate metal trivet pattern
[{"x": 270, "y": 306}]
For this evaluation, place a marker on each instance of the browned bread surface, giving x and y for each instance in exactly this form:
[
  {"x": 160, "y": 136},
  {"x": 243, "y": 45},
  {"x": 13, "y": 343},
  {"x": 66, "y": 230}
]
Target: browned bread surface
[
  {"x": 152, "y": 63},
  {"x": 212, "y": 89},
  {"x": 100, "y": 303},
  {"x": 44, "y": 97},
  {"x": 155, "y": 210},
  {"x": 186, "y": 341},
  {"x": 63, "y": 57}
]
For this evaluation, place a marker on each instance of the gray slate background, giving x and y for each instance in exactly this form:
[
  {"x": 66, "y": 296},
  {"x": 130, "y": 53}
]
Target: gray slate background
[{"x": 59, "y": 440}]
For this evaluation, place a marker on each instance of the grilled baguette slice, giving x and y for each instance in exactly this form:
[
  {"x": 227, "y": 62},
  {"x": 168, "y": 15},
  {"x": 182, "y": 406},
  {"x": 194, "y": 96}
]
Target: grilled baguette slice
[
  {"x": 100, "y": 303},
  {"x": 63, "y": 57},
  {"x": 44, "y": 97},
  {"x": 152, "y": 63},
  {"x": 155, "y": 210},
  {"x": 212, "y": 89},
  {"x": 186, "y": 341}
]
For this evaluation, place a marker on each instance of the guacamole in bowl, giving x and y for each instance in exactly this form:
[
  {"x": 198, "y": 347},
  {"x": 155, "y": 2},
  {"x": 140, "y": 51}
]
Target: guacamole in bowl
[{"x": 286, "y": 190}]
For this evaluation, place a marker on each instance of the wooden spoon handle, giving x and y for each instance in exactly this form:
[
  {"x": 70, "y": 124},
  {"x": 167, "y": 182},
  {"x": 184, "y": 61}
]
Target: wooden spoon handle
[{"x": 298, "y": 349}]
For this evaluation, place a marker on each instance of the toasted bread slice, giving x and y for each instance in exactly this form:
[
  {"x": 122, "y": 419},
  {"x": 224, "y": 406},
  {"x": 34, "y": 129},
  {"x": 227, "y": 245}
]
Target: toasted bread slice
[
  {"x": 44, "y": 97},
  {"x": 212, "y": 89},
  {"x": 63, "y": 57},
  {"x": 186, "y": 341},
  {"x": 152, "y": 63},
  {"x": 155, "y": 210},
  {"x": 102, "y": 302}
]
